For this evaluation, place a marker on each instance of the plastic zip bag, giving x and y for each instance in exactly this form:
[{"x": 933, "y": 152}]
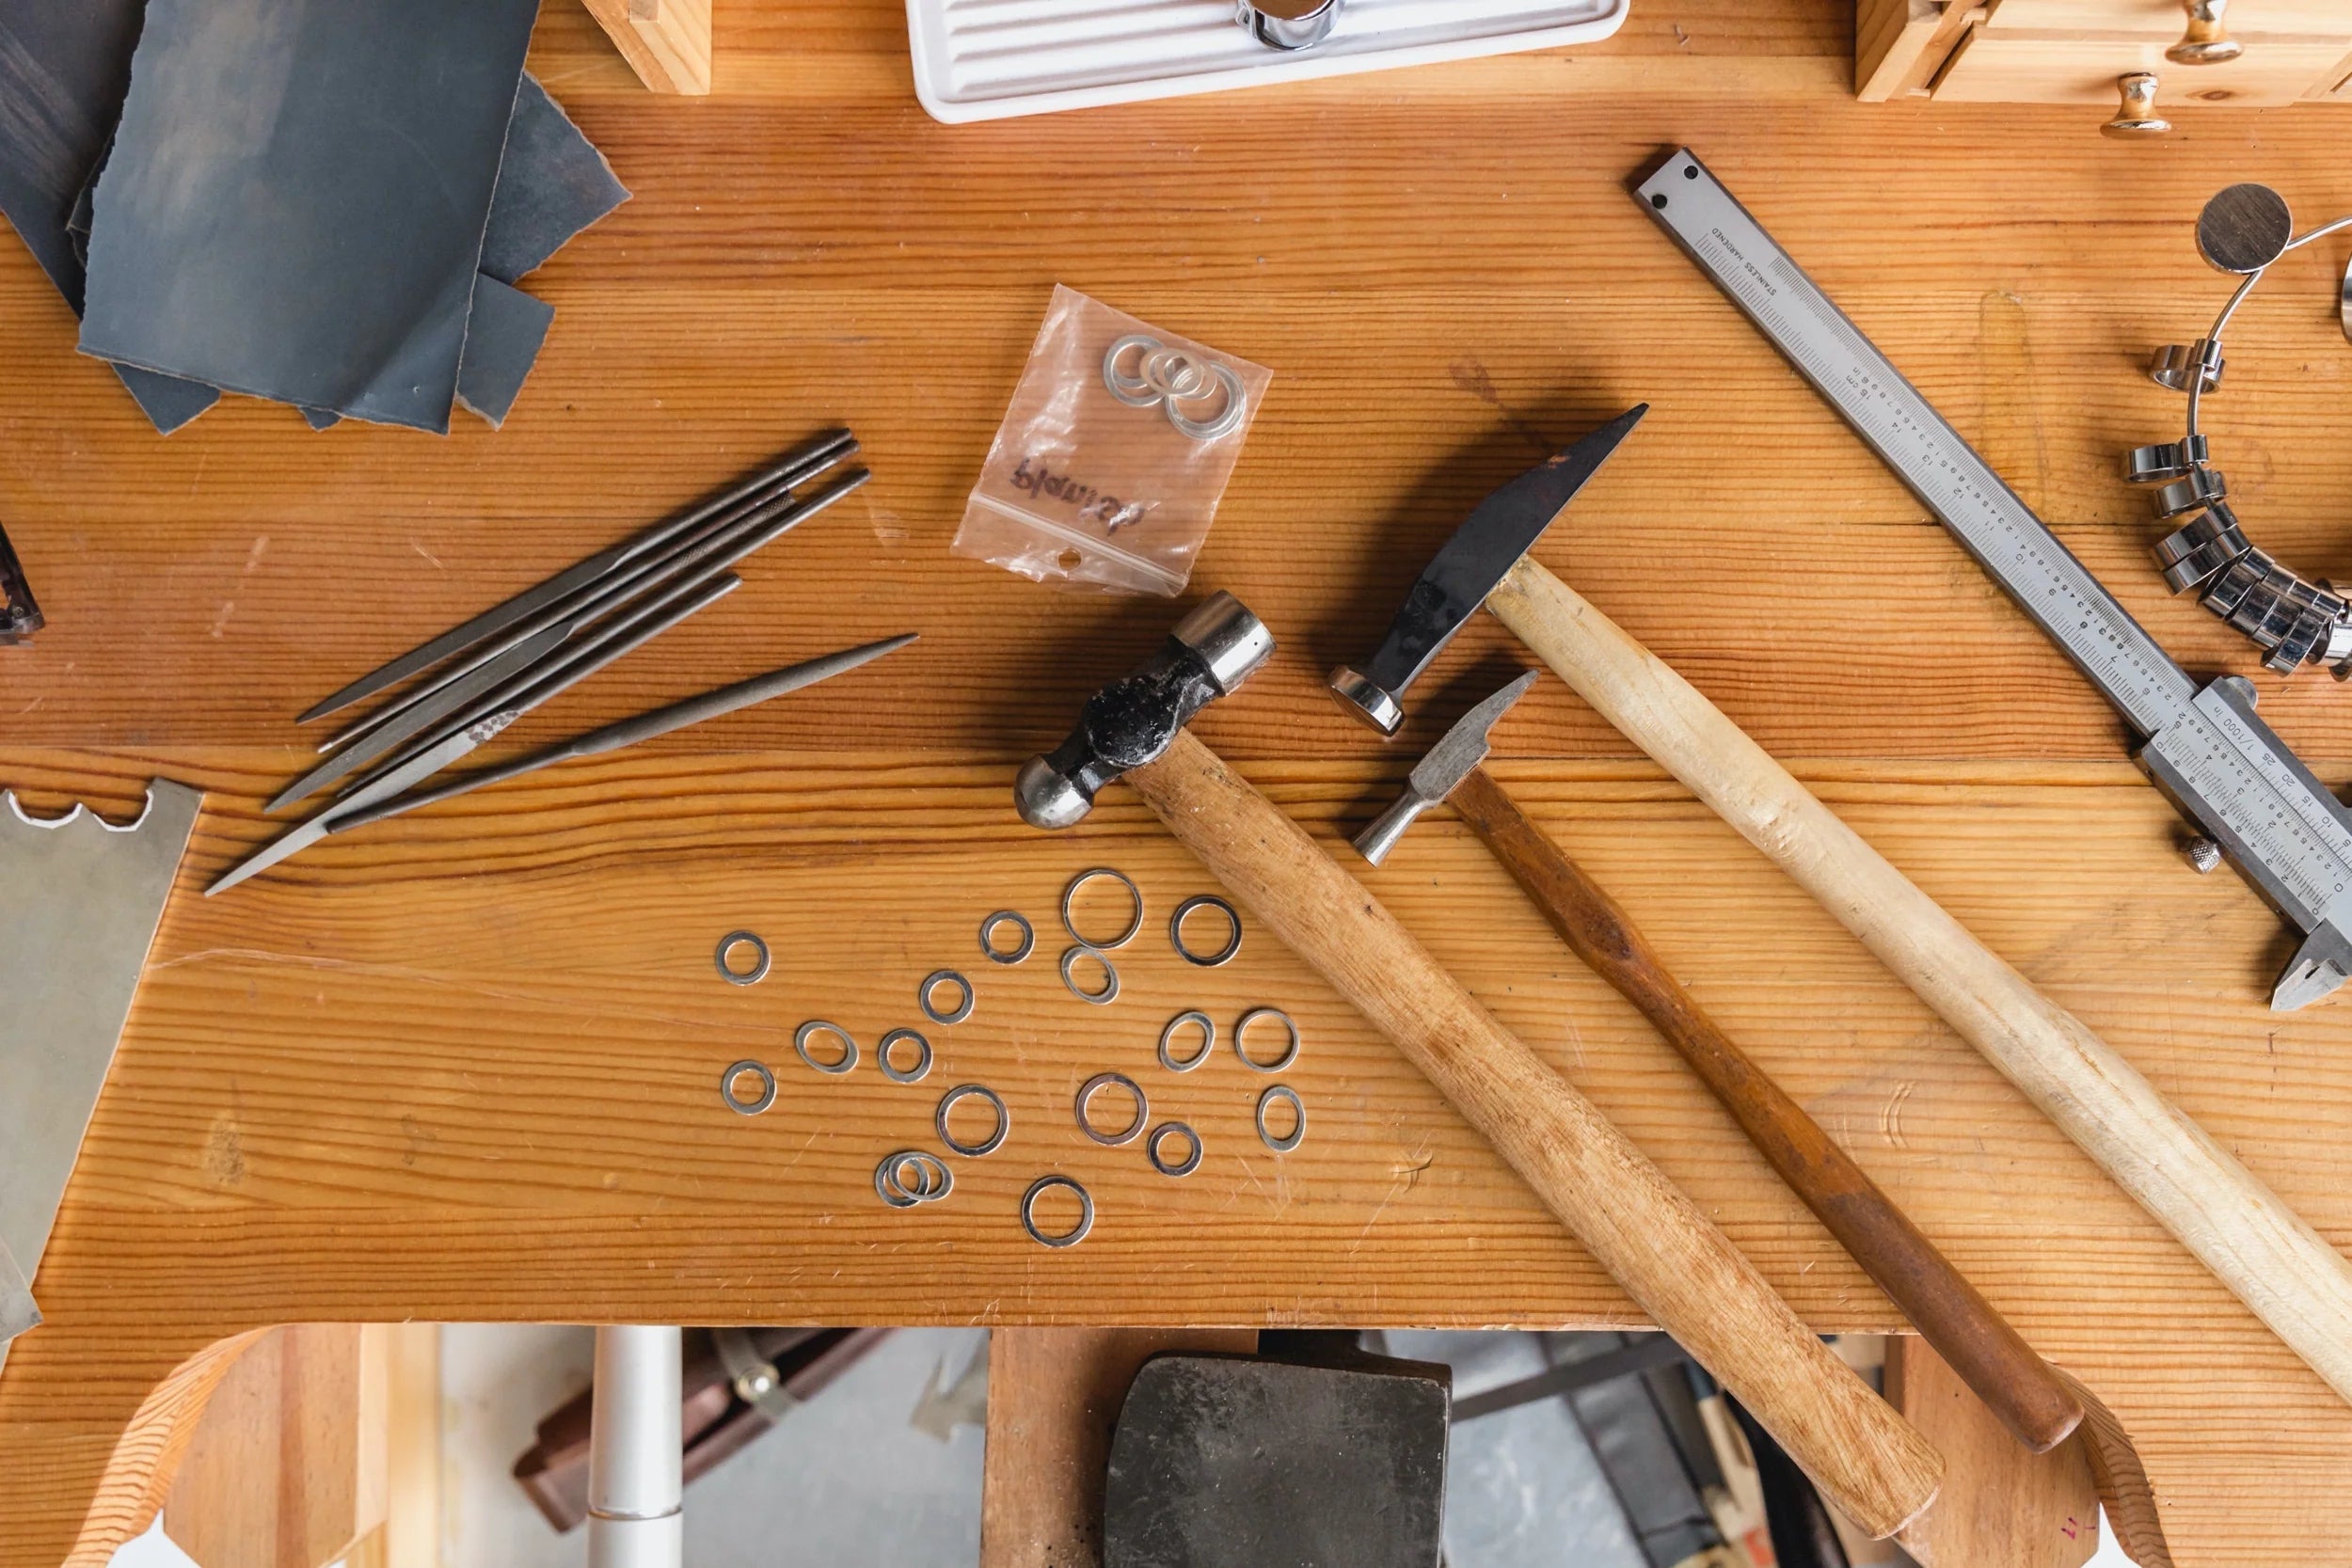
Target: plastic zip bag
[{"x": 1109, "y": 465}]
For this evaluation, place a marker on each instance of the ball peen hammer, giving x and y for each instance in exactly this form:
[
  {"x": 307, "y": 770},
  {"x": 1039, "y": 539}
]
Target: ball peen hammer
[
  {"x": 1981, "y": 1346},
  {"x": 1671, "y": 1259},
  {"x": 2268, "y": 1255}
]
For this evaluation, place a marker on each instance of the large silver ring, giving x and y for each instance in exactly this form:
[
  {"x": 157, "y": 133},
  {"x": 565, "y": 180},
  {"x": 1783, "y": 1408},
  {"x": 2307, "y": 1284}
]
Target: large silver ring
[
  {"x": 1273, "y": 1093},
  {"x": 1176, "y": 931},
  {"x": 1070, "y": 894},
  {"x": 767, "y": 1088},
  {"x": 954, "y": 1096},
  {"x": 1237, "y": 409},
  {"x": 1241, "y": 1045},
  {"x": 1125, "y": 1135},
  {"x": 915, "y": 1074},
  {"x": 728, "y": 943},
  {"x": 1174, "y": 1063},
  {"x": 1109, "y": 994},
  {"x": 816, "y": 1027},
  {"x": 1038, "y": 1189},
  {"x": 1135, "y": 391},
  {"x": 931, "y": 982}
]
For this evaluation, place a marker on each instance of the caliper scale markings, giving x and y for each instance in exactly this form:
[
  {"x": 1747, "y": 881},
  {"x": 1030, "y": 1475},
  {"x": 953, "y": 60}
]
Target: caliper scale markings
[{"x": 2220, "y": 764}]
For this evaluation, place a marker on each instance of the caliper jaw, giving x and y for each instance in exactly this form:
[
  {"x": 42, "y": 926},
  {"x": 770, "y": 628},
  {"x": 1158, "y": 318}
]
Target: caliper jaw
[{"x": 2323, "y": 963}]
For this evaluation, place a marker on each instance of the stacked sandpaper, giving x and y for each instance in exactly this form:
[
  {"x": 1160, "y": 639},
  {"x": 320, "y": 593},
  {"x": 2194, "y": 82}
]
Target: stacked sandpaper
[{"x": 324, "y": 202}]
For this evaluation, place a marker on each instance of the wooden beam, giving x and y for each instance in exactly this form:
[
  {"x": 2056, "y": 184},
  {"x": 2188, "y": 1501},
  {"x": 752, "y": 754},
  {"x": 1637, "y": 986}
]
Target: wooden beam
[
  {"x": 667, "y": 43},
  {"x": 1889, "y": 38},
  {"x": 2000, "y": 1504}
]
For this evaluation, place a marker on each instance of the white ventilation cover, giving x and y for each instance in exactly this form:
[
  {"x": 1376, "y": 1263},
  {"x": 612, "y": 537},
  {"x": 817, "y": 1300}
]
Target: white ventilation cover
[{"x": 990, "y": 59}]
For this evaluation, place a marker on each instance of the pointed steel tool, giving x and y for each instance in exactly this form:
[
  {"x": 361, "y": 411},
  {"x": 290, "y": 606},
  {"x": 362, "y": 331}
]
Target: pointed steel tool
[
  {"x": 1504, "y": 527},
  {"x": 476, "y": 731},
  {"x": 632, "y": 732},
  {"x": 823, "y": 453},
  {"x": 85, "y": 900}
]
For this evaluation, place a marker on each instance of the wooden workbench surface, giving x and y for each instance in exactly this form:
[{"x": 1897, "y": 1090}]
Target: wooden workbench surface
[{"x": 464, "y": 1066}]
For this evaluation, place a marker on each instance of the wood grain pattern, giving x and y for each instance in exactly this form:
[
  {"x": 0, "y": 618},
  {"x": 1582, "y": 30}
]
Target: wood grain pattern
[
  {"x": 1674, "y": 1262},
  {"x": 2000, "y": 1505},
  {"x": 1053, "y": 1397},
  {"x": 464, "y": 1066},
  {"x": 667, "y": 43},
  {"x": 287, "y": 1468},
  {"x": 2268, "y": 1254},
  {"x": 1992, "y": 1359}
]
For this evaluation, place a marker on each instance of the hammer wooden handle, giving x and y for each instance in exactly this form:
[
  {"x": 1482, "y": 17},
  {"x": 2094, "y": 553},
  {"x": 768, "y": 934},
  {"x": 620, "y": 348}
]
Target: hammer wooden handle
[
  {"x": 1670, "y": 1258},
  {"x": 2239, "y": 1229},
  {"x": 1978, "y": 1342}
]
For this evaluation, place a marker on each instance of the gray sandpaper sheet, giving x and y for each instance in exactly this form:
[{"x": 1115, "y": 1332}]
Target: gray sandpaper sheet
[
  {"x": 553, "y": 184},
  {"x": 502, "y": 344},
  {"x": 64, "y": 67},
  {"x": 296, "y": 201}
]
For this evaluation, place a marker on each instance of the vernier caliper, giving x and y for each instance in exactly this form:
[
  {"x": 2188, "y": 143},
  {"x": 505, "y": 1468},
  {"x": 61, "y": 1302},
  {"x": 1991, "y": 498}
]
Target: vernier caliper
[{"x": 2222, "y": 767}]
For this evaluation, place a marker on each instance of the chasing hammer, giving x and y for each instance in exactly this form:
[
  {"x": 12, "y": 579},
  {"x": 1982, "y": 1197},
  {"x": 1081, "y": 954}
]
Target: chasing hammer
[
  {"x": 1989, "y": 1354},
  {"x": 1670, "y": 1258}
]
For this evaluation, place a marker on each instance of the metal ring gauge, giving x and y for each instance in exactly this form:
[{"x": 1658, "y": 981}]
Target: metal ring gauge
[{"x": 2221, "y": 766}]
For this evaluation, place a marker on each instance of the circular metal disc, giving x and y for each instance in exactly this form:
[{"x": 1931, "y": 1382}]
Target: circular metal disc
[{"x": 2244, "y": 228}]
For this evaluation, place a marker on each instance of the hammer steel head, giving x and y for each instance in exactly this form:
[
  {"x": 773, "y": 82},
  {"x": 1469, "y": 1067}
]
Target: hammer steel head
[
  {"x": 1132, "y": 721},
  {"x": 1448, "y": 762},
  {"x": 1505, "y": 528}
]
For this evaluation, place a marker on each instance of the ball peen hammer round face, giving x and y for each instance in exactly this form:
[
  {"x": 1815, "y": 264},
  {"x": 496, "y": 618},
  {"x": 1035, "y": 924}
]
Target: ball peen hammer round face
[
  {"x": 1132, "y": 721},
  {"x": 1504, "y": 527}
]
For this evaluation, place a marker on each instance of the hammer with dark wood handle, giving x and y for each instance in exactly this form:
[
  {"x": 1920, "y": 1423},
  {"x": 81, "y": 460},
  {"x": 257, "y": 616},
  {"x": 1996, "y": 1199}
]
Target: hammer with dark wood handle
[
  {"x": 2025, "y": 1391},
  {"x": 1671, "y": 1259}
]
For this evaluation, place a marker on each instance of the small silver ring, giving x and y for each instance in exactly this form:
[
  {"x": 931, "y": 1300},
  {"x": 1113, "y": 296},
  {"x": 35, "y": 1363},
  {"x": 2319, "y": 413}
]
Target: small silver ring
[
  {"x": 1109, "y": 994},
  {"x": 988, "y": 937},
  {"x": 1070, "y": 894},
  {"x": 1038, "y": 1189},
  {"x": 1241, "y": 1045},
  {"x": 1152, "y": 1148},
  {"x": 1125, "y": 1135},
  {"x": 728, "y": 943},
  {"x": 915, "y": 1074},
  {"x": 1223, "y": 956},
  {"x": 1134, "y": 391},
  {"x": 931, "y": 982},
  {"x": 894, "y": 1192},
  {"x": 1168, "y": 1058},
  {"x": 956, "y": 1096},
  {"x": 1237, "y": 409},
  {"x": 767, "y": 1088},
  {"x": 1281, "y": 1091},
  {"x": 816, "y": 1027}
]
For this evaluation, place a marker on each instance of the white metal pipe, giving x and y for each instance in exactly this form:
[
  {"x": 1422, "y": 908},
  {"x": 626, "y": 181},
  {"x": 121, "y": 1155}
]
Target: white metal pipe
[{"x": 636, "y": 1451}]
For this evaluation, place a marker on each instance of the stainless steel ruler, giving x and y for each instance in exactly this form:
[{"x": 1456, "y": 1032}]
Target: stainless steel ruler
[{"x": 2221, "y": 766}]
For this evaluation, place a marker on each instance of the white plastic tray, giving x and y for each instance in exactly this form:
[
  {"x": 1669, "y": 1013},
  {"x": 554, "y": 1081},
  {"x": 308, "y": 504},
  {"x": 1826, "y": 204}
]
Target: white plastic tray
[{"x": 991, "y": 60}]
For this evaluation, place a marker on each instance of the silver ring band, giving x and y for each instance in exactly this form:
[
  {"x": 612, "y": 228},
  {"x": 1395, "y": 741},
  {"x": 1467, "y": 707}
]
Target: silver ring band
[
  {"x": 1125, "y": 1135},
  {"x": 1070, "y": 893},
  {"x": 915, "y": 1074},
  {"x": 988, "y": 937},
  {"x": 938, "y": 1181},
  {"x": 1281, "y": 1091},
  {"x": 1135, "y": 391},
  {"x": 1241, "y": 1043},
  {"x": 1168, "y": 1058},
  {"x": 728, "y": 943},
  {"x": 1168, "y": 1128},
  {"x": 931, "y": 982},
  {"x": 816, "y": 1027},
  {"x": 1237, "y": 409},
  {"x": 1224, "y": 954},
  {"x": 956, "y": 1096},
  {"x": 767, "y": 1088},
  {"x": 1109, "y": 994},
  {"x": 1038, "y": 1189}
]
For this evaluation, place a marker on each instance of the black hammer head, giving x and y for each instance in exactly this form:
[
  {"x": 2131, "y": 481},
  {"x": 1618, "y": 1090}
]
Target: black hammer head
[
  {"x": 1505, "y": 528},
  {"x": 1132, "y": 721}
]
